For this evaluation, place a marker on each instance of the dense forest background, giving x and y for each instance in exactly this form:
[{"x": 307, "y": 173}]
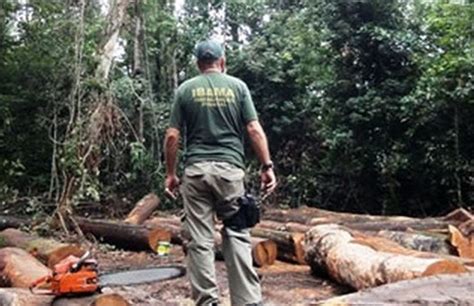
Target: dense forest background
[{"x": 368, "y": 104}]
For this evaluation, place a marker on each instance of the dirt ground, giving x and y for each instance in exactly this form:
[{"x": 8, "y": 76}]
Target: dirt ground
[{"x": 282, "y": 283}]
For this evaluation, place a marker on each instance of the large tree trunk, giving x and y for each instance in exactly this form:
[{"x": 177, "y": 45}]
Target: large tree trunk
[
  {"x": 143, "y": 209},
  {"x": 106, "y": 299},
  {"x": 116, "y": 18},
  {"x": 434, "y": 290},
  {"x": 19, "y": 268},
  {"x": 23, "y": 297},
  {"x": 362, "y": 261},
  {"x": 47, "y": 250}
]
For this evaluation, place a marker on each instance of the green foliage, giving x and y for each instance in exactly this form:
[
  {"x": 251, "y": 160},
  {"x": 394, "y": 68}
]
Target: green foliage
[{"x": 367, "y": 104}]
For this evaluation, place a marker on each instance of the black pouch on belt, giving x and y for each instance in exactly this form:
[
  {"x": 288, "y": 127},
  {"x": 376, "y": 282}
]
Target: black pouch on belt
[{"x": 247, "y": 216}]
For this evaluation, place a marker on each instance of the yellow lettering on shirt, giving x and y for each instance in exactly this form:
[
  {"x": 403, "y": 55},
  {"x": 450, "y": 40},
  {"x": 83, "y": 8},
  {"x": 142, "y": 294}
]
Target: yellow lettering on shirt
[{"x": 213, "y": 97}]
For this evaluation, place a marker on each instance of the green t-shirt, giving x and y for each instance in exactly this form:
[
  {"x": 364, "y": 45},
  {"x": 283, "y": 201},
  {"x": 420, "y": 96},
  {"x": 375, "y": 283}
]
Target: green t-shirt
[{"x": 212, "y": 110}]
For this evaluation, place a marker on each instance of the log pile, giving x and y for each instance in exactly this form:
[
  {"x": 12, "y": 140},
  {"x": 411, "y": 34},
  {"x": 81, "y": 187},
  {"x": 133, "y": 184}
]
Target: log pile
[{"x": 356, "y": 250}]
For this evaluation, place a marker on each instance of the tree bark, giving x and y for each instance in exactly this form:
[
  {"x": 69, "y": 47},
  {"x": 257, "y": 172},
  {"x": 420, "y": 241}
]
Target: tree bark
[
  {"x": 20, "y": 269},
  {"x": 362, "y": 261},
  {"x": 420, "y": 242},
  {"x": 107, "y": 299},
  {"x": 116, "y": 18},
  {"x": 434, "y": 290},
  {"x": 23, "y": 297},
  {"x": 143, "y": 209},
  {"x": 315, "y": 216},
  {"x": 48, "y": 251},
  {"x": 121, "y": 234}
]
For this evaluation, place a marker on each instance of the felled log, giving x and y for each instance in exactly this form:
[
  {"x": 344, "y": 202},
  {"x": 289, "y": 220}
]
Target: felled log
[
  {"x": 11, "y": 222},
  {"x": 264, "y": 252},
  {"x": 19, "y": 269},
  {"x": 428, "y": 225},
  {"x": 48, "y": 251},
  {"x": 362, "y": 261},
  {"x": 143, "y": 209},
  {"x": 158, "y": 221},
  {"x": 419, "y": 241},
  {"x": 289, "y": 245},
  {"x": 107, "y": 299},
  {"x": 121, "y": 234},
  {"x": 158, "y": 235},
  {"x": 314, "y": 216},
  {"x": 23, "y": 297},
  {"x": 433, "y": 290},
  {"x": 459, "y": 215},
  {"x": 170, "y": 224},
  {"x": 464, "y": 244}
]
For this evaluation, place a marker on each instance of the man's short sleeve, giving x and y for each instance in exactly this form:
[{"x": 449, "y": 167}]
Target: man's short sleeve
[
  {"x": 248, "y": 108},
  {"x": 176, "y": 116}
]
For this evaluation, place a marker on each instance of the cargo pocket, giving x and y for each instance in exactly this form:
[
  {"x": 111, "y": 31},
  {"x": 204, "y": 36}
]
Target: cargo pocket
[{"x": 230, "y": 188}]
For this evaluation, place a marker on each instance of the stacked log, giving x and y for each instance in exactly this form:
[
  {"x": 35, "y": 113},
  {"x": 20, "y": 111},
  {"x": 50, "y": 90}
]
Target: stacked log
[
  {"x": 289, "y": 245},
  {"x": 48, "y": 251},
  {"x": 362, "y": 261},
  {"x": 19, "y": 269},
  {"x": 106, "y": 299},
  {"x": 23, "y": 297},
  {"x": 118, "y": 233}
]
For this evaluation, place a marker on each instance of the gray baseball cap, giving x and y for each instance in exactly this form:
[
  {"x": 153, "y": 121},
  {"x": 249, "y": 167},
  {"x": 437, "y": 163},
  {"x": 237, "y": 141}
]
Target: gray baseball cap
[{"x": 208, "y": 50}]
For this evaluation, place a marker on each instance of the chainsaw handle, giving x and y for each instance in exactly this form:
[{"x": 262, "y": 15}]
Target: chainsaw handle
[
  {"x": 75, "y": 267},
  {"x": 41, "y": 280}
]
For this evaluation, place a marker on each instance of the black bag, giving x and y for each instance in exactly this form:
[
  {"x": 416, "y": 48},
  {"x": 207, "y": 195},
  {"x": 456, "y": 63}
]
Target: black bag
[{"x": 248, "y": 214}]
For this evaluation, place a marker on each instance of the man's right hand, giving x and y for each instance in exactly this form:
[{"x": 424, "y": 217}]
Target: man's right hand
[
  {"x": 171, "y": 186},
  {"x": 268, "y": 181}
]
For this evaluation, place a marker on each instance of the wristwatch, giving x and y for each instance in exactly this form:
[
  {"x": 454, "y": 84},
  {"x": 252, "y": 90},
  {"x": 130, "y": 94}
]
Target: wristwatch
[{"x": 267, "y": 166}]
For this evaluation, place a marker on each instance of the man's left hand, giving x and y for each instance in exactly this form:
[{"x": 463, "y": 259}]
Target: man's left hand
[{"x": 171, "y": 186}]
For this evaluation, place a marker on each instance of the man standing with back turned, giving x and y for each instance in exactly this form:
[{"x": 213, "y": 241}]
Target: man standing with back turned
[{"x": 214, "y": 110}]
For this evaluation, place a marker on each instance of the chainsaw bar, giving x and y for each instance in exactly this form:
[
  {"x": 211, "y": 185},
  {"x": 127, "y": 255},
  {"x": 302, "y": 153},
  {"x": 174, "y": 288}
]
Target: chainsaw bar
[{"x": 141, "y": 276}]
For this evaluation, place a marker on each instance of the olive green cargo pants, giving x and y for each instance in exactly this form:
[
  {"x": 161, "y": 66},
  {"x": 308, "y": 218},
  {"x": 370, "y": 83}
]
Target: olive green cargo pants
[{"x": 208, "y": 188}]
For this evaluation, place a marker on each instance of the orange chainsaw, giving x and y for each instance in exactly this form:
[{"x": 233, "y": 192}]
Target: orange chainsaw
[{"x": 75, "y": 276}]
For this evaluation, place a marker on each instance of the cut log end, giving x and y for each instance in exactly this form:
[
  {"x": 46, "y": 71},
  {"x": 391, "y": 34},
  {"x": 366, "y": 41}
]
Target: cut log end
[
  {"x": 264, "y": 252},
  {"x": 158, "y": 235},
  {"x": 463, "y": 244},
  {"x": 444, "y": 267},
  {"x": 298, "y": 240},
  {"x": 111, "y": 299}
]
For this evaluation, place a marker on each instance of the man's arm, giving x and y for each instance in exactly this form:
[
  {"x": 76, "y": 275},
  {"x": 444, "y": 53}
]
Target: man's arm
[
  {"x": 259, "y": 141},
  {"x": 171, "y": 153},
  {"x": 260, "y": 145}
]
